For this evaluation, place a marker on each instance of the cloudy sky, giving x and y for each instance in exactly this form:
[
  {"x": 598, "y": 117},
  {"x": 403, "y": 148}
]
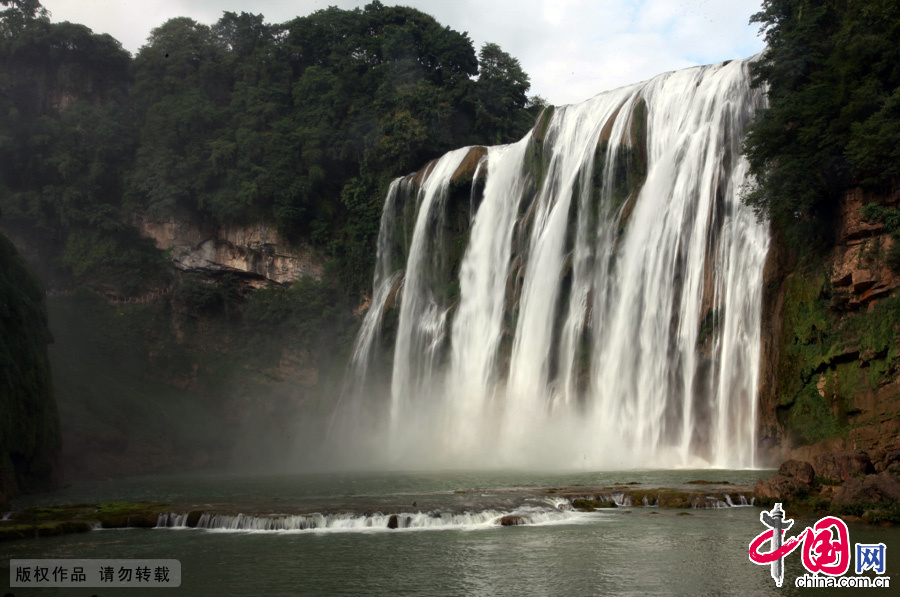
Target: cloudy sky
[{"x": 572, "y": 49}]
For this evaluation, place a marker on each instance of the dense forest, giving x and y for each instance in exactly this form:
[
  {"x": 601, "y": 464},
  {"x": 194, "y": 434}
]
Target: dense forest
[
  {"x": 832, "y": 74},
  {"x": 301, "y": 124}
]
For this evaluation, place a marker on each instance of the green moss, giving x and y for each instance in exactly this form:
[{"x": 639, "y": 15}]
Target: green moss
[
  {"x": 543, "y": 123},
  {"x": 709, "y": 323},
  {"x": 36, "y": 515},
  {"x": 872, "y": 512},
  {"x": 669, "y": 498},
  {"x": 24, "y": 531},
  {"x": 812, "y": 419},
  {"x": 819, "y": 374},
  {"x": 588, "y": 505}
]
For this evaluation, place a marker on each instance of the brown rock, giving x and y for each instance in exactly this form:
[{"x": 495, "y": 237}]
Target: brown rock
[
  {"x": 393, "y": 521},
  {"x": 465, "y": 173},
  {"x": 887, "y": 484},
  {"x": 891, "y": 460},
  {"x": 883, "y": 487},
  {"x": 780, "y": 487},
  {"x": 258, "y": 249},
  {"x": 512, "y": 520},
  {"x": 801, "y": 471},
  {"x": 839, "y": 466}
]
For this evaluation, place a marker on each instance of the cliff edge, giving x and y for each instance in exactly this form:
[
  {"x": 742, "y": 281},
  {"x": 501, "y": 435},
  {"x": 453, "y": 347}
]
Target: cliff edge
[{"x": 30, "y": 441}]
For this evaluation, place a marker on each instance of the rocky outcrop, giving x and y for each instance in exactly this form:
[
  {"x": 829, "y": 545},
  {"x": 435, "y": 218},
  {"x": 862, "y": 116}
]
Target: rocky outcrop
[
  {"x": 794, "y": 478},
  {"x": 256, "y": 251},
  {"x": 859, "y": 273},
  {"x": 842, "y": 483},
  {"x": 871, "y": 489},
  {"x": 30, "y": 441},
  {"x": 838, "y": 467},
  {"x": 829, "y": 376}
]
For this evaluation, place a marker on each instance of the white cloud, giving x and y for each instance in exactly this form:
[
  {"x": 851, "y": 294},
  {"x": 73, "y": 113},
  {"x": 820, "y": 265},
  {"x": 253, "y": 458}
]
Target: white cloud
[{"x": 572, "y": 49}]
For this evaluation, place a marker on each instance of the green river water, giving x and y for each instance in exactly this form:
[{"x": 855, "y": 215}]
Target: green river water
[{"x": 622, "y": 551}]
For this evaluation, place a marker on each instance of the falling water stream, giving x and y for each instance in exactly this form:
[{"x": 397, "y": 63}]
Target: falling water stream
[{"x": 586, "y": 297}]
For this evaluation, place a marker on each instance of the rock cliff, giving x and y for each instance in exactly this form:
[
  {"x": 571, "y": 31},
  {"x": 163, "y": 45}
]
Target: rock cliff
[
  {"x": 256, "y": 251},
  {"x": 831, "y": 343}
]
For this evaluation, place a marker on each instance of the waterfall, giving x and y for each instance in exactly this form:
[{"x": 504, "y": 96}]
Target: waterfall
[{"x": 587, "y": 297}]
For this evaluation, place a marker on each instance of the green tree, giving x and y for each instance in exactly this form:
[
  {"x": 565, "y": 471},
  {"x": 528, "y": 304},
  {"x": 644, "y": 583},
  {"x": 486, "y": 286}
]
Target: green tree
[
  {"x": 501, "y": 96},
  {"x": 832, "y": 77}
]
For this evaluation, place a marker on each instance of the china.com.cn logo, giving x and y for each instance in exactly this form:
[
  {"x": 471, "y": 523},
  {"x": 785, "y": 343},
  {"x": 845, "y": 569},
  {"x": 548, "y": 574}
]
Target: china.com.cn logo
[{"x": 826, "y": 550}]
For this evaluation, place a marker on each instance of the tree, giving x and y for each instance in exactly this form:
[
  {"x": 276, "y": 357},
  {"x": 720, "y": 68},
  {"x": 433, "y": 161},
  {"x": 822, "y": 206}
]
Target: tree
[
  {"x": 501, "y": 96},
  {"x": 19, "y": 14},
  {"x": 833, "y": 80}
]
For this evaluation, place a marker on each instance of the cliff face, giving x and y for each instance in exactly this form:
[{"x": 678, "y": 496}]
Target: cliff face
[
  {"x": 830, "y": 375},
  {"x": 30, "y": 444},
  {"x": 256, "y": 251}
]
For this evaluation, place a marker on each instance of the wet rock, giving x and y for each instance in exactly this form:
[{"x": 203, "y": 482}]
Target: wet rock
[
  {"x": 393, "y": 521},
  {"x": 512, "y": 520},
  {"x": 838, "y": 467},
  {"x": 674, "y": 499},
  {"x": 781, "y": 486},
  {"x": 257, "y": 250},
  {"x": 465, "y": 173},
  {"x": 588, "y": 505}
]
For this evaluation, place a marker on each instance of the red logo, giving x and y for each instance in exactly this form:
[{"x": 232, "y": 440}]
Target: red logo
[{"x": 826, "y": 545}]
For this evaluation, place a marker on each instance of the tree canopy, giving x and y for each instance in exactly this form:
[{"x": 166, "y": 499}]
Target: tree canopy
[
  {"x": 301, "y": 123},
  {"x": 832, "y": 72}
]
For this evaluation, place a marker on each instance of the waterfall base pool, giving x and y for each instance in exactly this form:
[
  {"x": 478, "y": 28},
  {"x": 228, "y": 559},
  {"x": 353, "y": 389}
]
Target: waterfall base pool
[{"x": 618, "y": 551}]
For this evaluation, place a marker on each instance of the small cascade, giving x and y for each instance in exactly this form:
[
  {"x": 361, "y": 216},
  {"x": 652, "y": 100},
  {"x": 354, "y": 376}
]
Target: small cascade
[
  {"x": 350, "y": 522},
  {"x": 172, "y": 520}
]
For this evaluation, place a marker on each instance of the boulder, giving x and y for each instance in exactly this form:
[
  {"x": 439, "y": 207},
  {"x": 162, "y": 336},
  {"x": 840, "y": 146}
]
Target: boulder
[
  {"x": 883, "y": 487},
  {"x": 838, "y": 467},
  {"x": 512, "y": 520},
  {"x": 794, "y": 478},
  {"x": 780, "y": 487},
  {"x": 801, "y": 471},
  {"x": 891, "y": 461}
]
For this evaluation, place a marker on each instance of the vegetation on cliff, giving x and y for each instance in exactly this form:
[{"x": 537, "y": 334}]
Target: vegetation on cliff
[
  {"x": 301, "y": 123},
  {"x": 29, "y": 426},
  {"x": 832, "y": 72},
  {"x": 826, "y": 161}
]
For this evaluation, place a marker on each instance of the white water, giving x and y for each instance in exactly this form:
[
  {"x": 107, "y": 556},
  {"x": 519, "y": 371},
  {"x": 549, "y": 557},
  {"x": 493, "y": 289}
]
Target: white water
[
  {"x": 470, "y": 520},
  {"x": 636, "y": 329}
]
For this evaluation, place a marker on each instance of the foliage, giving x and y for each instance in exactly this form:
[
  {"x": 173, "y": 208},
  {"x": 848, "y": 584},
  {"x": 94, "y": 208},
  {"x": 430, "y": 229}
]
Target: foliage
[
  {"x": 501, "y": 96},
  {"x": 197, "y": 296},
  {"x": 302, "y": 123},
  {"x": 313, "y": 313},
  {"x": 832, "y": 75}
]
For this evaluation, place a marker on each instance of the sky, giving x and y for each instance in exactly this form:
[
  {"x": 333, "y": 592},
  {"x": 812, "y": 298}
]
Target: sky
[{"x": 571, "y": 49}]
